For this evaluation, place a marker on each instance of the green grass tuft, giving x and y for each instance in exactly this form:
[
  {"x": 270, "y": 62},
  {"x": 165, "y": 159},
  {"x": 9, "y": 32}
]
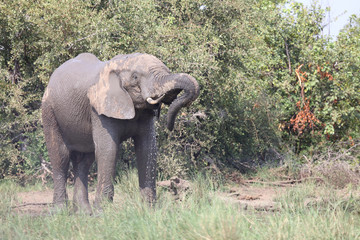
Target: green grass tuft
[{"x": 307, "y": 212}]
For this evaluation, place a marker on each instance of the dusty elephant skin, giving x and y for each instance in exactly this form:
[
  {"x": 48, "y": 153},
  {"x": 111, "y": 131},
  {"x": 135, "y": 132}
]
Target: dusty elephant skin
[{"x": 90, "y": 107}]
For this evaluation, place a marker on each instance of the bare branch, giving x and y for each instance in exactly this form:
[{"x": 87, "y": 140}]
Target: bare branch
[
  {"x": 287, "y": 54},
  {"x": 83, "y": 38},
  {"x": 285, "y": 183},
  {"x": 30, "y": 204}
]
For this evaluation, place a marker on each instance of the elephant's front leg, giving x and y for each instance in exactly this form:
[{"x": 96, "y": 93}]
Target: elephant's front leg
[
  {"x": 106, "y": 149},
  {"x": 146, "y": 151}
]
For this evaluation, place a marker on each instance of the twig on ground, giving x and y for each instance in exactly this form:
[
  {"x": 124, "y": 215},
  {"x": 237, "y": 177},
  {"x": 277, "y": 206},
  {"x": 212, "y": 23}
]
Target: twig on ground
[
  {"x": 30, "y": 204},
  {"x": 285, "y": 183},
  {"x": 46, "y": 171},
  {"x": 243, "y": 166}
]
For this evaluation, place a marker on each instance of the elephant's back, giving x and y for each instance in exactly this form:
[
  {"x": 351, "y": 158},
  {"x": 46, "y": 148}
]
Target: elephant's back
[
  {"x": 67, "y": 95},
  {"x": 69, "y": 83},
  {"x": 79, "y": 72}
]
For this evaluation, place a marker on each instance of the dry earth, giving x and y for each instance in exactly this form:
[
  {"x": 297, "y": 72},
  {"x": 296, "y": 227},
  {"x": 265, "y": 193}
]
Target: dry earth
[
  {"x": 38, "y": 203},
  {"x": 260, "y": 198}
]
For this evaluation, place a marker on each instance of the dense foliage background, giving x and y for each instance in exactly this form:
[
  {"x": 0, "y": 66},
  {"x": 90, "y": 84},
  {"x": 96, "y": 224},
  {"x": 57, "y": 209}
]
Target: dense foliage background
[{"x": 273, "y": 87}]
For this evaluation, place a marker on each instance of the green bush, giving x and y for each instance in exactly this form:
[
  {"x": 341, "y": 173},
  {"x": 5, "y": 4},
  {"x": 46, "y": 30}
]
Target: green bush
[{"x": 244, "y": 54}]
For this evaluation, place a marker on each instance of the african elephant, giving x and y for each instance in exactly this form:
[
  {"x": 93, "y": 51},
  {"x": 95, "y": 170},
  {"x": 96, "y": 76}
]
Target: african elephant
[{"x": 89, "y": 107}]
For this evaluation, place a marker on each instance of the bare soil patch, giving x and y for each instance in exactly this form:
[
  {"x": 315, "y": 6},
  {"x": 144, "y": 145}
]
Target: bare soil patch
[
  {"x": 254, "y": 197},
  {"x": 37, "y": 203},
  {"x": 247, "y": 196},
  {"x": 34, "y": 203}
]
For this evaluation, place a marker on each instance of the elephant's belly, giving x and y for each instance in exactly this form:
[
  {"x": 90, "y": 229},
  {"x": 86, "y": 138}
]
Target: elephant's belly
[
  {"x": 73, "y": 118},
  {"x": 81, "y": 142},
  {"x": 77, "y": 135}
]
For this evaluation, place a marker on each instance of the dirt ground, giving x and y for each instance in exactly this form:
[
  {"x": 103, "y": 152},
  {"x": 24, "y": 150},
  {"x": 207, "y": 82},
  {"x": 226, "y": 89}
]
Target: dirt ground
[
  {"x": 260, "y": 198},
  {"x": 36, "y": 203},
  {"x": 33, "y": 203}
]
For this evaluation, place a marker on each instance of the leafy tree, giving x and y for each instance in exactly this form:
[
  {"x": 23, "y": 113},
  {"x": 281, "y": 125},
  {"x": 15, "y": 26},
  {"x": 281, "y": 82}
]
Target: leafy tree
[
  {"x": 307, "y": 74},
  {"x": 270, "y": 81}
]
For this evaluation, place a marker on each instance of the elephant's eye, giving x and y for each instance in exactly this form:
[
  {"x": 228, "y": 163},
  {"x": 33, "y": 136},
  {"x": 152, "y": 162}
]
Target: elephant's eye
[{"x": 134, "y": 76}]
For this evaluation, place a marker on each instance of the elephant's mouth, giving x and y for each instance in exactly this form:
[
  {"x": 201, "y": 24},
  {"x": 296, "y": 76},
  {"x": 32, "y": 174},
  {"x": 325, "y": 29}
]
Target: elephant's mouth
[
  {"x": 170, "y": 96},
  {"x": 170, "y": 88},
  {"x": 155, "y": 101},
  {"x": 166, "y": 98}
]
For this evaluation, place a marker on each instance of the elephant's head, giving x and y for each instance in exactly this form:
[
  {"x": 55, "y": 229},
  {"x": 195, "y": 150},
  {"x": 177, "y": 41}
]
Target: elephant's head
[{"x": 139, "y": 81}]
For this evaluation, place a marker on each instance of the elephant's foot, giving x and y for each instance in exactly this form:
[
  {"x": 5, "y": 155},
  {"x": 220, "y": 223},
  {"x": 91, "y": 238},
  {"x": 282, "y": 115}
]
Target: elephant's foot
[
  {"x": 100, "y": 201},
  {"x": 104, "y": 194},
  {"x": 148, "y": 195},
  {"x": 59, "y": 207},
  {"x": 82, "y": 208},
  {"x": 98, "y": 208}
]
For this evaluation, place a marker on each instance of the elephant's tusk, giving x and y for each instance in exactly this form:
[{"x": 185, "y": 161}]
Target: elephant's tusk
[{"x": 152, "y": 101}]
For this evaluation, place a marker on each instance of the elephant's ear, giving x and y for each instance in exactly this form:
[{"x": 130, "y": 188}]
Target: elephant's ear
[{"x": 109, "y": 98}]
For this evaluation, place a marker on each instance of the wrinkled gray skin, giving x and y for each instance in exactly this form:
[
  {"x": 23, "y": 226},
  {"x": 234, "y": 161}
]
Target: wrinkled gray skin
[{"x": 90, "y": 107}]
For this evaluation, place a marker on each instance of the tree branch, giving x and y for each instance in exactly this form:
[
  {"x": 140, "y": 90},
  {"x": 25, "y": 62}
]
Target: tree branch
[
  {"x": 30, "y": 204},
  {"x": 287, "y": 54},
  {"x": 285, "y": 183}
]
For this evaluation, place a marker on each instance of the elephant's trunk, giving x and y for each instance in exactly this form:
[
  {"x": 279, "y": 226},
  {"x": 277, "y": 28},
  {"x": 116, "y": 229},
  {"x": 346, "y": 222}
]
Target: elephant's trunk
[{"x": 173, "y": 85}]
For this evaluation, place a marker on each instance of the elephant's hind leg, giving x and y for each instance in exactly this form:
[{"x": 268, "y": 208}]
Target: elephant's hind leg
[
  {"x": 81, "y": 164},
  {"x": 59, "y": 156}
]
